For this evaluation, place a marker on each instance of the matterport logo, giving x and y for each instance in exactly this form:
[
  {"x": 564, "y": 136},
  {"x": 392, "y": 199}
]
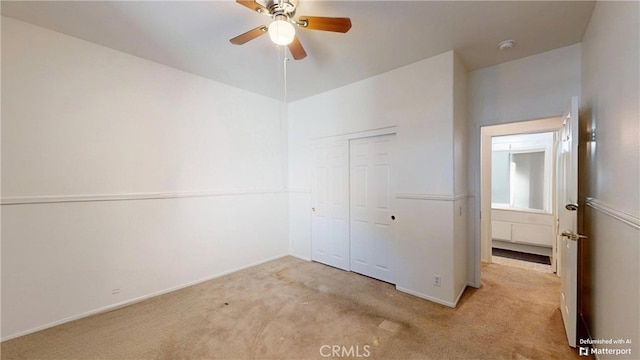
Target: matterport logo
[
  {"x": 340, "y": 351},
  {"x": 605, "y": 347}
]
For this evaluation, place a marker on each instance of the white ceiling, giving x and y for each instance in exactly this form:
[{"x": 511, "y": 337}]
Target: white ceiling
[{"x": 194, "y": 36}]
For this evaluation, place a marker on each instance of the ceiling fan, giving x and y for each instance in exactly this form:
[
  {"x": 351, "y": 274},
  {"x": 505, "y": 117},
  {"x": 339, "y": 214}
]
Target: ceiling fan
[{"x": 282, "y": 30}]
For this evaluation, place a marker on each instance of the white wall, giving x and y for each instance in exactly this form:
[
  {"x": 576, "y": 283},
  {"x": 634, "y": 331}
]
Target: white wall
[
  {"x": 535, "y": 87},
  {"x": 193, "y": 176},
  {"x": 611, "y": 82},
  {"x": 418, "y": 101},
  {"x": 416, "y": 97}
]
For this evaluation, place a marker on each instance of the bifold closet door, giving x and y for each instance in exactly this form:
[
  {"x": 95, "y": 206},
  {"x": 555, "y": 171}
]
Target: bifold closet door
[{"x": 371, "y": 215}]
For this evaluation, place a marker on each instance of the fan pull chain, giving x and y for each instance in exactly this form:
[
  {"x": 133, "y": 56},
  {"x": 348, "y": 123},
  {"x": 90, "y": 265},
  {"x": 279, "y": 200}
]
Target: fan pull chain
[
  {"x": 283, "y": 112},
  {"x": 284, "y": 69}
]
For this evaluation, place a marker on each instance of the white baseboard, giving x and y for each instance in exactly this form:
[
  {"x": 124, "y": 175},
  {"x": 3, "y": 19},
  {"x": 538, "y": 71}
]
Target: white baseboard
[
  {"x": 459, "y": 295},
  {"x": 430, "y": 298},
  {"x": 136, "y": 300},
  {"x": 301, "y": 257}
]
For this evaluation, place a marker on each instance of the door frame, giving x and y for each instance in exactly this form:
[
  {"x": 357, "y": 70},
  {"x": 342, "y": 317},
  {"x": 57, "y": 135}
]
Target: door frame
[{"x": 553, "y": 124}]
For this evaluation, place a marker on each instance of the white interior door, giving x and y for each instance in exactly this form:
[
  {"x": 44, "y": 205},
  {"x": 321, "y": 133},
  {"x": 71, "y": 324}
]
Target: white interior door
[
  {"x": 567, "y": 237},
  {"x": 330, "y": 201},
  {"x": 372, "y": 251}
]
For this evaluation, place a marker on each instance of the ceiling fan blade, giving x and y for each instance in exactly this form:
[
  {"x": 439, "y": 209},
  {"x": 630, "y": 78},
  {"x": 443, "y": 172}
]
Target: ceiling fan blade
[
  {"x": 326, "y": 23},
  {"x": 297, "y": 51},
  {"x": 249, "y": 35},
  {"x": 251, "y": 4}
]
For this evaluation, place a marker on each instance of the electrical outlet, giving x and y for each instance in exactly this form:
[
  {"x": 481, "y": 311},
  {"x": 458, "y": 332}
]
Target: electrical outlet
[
  {"x": 115, "y": 291},
  {"x": 437, "y": 281}
]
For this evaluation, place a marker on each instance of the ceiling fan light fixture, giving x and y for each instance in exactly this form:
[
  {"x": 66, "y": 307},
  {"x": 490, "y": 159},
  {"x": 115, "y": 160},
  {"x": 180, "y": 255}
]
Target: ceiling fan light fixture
[{"x": 281, "y": 31}]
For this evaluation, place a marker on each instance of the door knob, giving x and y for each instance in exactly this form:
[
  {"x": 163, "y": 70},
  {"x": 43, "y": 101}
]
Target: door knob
[
  {"x": 573, "y": 236},
  {"x": 571, "y": 207}
]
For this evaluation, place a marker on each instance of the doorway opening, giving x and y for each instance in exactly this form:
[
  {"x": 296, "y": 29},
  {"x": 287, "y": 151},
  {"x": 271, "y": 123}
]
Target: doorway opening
[
  {"x": 522, "y": 216},
  {"x": 517, "y": 193},
  {"x": 565, "y": 203}
]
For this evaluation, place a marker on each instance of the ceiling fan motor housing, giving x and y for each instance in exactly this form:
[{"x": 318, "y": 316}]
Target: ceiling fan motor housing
[{"x": 281, "y": 7}]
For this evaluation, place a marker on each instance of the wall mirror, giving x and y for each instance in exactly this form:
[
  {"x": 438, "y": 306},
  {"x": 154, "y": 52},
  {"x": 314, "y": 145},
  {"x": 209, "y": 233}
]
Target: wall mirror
[{"x": 521, "y": 172}]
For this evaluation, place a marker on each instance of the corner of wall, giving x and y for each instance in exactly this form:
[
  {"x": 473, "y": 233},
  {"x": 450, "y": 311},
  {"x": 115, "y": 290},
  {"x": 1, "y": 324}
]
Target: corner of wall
[{"x": 462, "y": 246}]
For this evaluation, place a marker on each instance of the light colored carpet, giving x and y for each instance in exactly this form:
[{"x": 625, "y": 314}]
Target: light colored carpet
[{"x": 293, "y": 309}]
